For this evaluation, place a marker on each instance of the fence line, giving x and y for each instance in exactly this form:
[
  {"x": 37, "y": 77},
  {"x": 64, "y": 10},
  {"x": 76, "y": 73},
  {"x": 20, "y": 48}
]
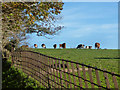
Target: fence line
[{"x": 59, "y": 73}]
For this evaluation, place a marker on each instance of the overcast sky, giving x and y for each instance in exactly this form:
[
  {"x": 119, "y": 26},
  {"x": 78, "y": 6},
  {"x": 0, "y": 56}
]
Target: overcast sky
[{"x": 85, "y": 23}]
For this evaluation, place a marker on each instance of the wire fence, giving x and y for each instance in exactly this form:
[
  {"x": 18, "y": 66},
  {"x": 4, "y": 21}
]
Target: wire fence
[{"x": 59, "y": 73}]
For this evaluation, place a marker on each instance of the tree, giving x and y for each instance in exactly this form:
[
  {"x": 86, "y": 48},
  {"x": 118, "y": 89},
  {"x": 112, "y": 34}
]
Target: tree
[{"x": 20, "y": 18}]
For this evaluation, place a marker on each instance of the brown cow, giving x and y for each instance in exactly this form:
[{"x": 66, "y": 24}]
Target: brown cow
[
  {"x": 43, "y": 45},
  {"x": 55, "y": 46},
  {"x": 35, "y": 45},
  {"x": 24, "y": 46},
  {"x": 62, "y": 45},
  {"x": 97, "y": 45}
]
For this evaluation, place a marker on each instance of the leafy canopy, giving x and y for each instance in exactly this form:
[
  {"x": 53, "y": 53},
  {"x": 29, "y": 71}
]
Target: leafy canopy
[{"x": 20, "y": 18}]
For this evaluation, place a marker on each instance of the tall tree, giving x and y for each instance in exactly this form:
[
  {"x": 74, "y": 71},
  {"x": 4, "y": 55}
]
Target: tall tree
[{"x": 20, "y": 18}]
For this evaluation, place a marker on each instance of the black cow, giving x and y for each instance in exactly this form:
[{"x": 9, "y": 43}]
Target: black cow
[
  {"x": 80, "y": 46},
  {"x": 55, "y": 46},
  {"x": 90, "y": 47}
]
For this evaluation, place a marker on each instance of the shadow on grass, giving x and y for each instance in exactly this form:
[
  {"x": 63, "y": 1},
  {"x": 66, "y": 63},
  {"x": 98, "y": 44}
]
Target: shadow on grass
[
  {"x": 12, "y": 78},
  {"x": 105, "y": 58}
]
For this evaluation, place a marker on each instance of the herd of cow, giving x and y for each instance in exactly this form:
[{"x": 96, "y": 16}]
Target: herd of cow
[{"x": 97, "y": 45}]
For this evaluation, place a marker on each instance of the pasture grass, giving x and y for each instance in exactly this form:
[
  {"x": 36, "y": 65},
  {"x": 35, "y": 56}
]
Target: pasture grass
[
  {"x": 108, "y": 59},
  {"x": 102, "y": 59}
]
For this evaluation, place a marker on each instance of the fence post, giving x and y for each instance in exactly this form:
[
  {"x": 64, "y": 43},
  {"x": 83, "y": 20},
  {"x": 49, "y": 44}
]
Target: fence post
[
  {"x": 78, "y": 72},
  {"x": 48, "y": 81},
  {"x": 48, "y": 72},
  {"x": 106, "y": 79},
  {"x": 84, "y": 75},
  {"x": 69, "y": 74},
  {"x": 91, "y": 77},
  {"x": 115, "y": 81},
  {"x": 98, "y": 79}
]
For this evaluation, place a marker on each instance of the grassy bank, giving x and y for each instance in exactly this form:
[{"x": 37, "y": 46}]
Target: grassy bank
[{"x": 13, "y": 78}]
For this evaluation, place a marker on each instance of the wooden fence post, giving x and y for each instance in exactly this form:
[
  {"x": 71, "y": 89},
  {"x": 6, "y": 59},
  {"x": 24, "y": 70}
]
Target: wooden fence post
[
  {"x": 61, "y": 81},
  {"x": 73, "y": 74},
  {"x": 48, "y": 70},
  {"x": 84, "y": 75},
  {"x": 78, "y": 72},
  {"x": 98, "y": 78},
  {"x": 106, "y": 79},
  {"x": 115, "y": 81},
  {"x": 91, "y": 78},
  {"x": 68, "y": 68},
  {"x": 64, "y": 73}
]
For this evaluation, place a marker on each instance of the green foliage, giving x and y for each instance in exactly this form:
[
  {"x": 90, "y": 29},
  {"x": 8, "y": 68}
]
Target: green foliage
[
  {"x": 12, "y": 44},
  {"x": 13, "y": 78},
  {"x": 20, "y": 18}
]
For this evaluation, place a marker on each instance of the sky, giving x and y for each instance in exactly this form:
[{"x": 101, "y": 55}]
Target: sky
[{"x": 85, "y": 23}]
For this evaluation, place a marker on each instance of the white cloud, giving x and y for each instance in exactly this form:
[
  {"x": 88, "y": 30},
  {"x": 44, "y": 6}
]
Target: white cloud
[
  {"x": 85, "y": 30},
  {"x": 109, "y": 26}
]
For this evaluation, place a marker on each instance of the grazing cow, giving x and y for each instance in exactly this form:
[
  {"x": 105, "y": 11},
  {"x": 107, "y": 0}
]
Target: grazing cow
[
  {"x": 90, "y": 47},
  {"x": 55, "y": 46},
  {"x": 97, "y": 45},
  {"x": 62, "y": 45},
  {"x": 87, "y": 47},
  {"x": 80, "y": 46},
  {"x": 24, "y": 46},
  {"x": 43, "y": 45},
  {"x": 35, "y": 45}
]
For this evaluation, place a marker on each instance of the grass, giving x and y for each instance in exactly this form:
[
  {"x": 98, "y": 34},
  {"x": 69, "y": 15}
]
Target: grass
[
  {"x": 14, "y": 78},
  {"x": 101, "y": 58},
  {"x": 107, "y": 59}
]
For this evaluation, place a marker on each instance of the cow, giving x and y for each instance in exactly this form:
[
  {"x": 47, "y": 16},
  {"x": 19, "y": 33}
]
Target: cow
[
  {"x": 90, "y": 47},
  {"x": 43, "y": 45},
  {"x": 35, "y": 45},
  {"x": 62, "y": 45},
  {"x": 97, "y": 45},
  {"x": 55, "y": 46},
  {"x": 87, "y": 47},
  {"x": 24, "y": 46},
  {"x": 80, "y": 46}
]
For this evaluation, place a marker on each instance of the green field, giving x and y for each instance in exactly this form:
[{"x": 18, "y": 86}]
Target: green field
[{"x": 101, "y": 58}]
